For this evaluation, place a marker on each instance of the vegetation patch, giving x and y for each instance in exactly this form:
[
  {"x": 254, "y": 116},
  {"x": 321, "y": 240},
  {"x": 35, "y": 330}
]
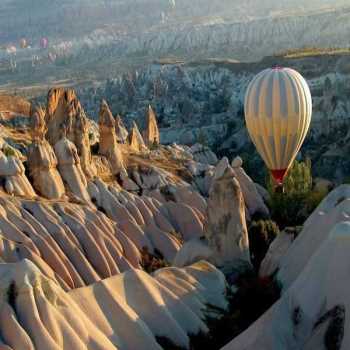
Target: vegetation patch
[
  {"x": 152, "y": 262},
  {"x": 167, "y": 344},
  {"x": 313, "y": 51},
  {"x": 253, "y": 297},
  {"x": 9, "y": 152},
  {"x": 261, "y": 234},
  {"x": 298, "y": 200}
]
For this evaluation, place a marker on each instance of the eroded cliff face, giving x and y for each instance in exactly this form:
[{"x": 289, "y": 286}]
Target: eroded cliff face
[
  {"x": 108, "y": 145},
  {"x": 65, "y": 117},
  {"x": 151, "y": 133}
]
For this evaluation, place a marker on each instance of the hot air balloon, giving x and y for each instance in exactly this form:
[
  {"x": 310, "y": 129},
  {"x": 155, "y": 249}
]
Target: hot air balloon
[
  {"x": 11, "y": 50},
  {"x": 44, "y": 43},
  {"x": 23, "y": 43},
  {"x": 278, "y": 109}
]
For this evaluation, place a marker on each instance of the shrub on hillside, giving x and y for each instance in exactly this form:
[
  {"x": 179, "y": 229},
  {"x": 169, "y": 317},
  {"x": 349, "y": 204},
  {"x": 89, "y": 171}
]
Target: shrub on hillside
[
  {"x": 9, "y": 152},
  {"x": 314, "y": 199},
  {"x": 202, "y": 138},
  {"x": 289, "y": 208},
  {"x": 152, "y": 262},
  {"x": 261, "y": 234},
  {"x": 253, "y": 297}
]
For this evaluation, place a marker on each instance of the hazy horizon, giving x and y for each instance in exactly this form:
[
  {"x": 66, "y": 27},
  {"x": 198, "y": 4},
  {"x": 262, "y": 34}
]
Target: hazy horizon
[{"x": 32, "y": 18}]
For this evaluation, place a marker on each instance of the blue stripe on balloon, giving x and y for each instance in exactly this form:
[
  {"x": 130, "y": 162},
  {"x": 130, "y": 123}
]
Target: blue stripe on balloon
[
  {"x": 283, "y": 95},
  {"x": 257, "y": 95},
  {"x": 269, "y": 96},
  {"x": 295, "y": 93}
]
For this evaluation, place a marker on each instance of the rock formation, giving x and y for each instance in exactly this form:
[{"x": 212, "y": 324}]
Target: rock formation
[
  {"x": 146, "y": 221},
  {"x": 120, "y": 130},
  {"x": 42, "y": 160},
  {"x": 319, "y": 254},
  {"x": 226, "y": 229},
  {"x": 42, "y": 164},
  {"x": 203, "y": 154},
  {"x": 193, "y": 251},
  {"x": 252, "y": 198},
  {"x": 73, "y": 245},
  {"x": 130, "y": 311},
  {"x": 108, "y": 146},
  {"x": 64, "y": 111},
  {"x": 37, "y": 123},
  {"x": 70, "y": 168},
  {"x": 333, "y": 209},
  {"x": 136, "y": 141},
  {"x": 151, "y": 132},
  {"x": 61, "y": 104},
  {"x": 82, "y": 142},
  {"x": 275, "y": 254},
  {"x": 299, "y": 320},
  {"x": 12, "y": 172}
]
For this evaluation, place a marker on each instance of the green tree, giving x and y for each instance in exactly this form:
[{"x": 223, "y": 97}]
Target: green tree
[
  {"x": 9, "y": 152},
  {"x": 202, "y": 138},
  {"x": 289, "y": 208},
  {"x": 261, "y": 234}
]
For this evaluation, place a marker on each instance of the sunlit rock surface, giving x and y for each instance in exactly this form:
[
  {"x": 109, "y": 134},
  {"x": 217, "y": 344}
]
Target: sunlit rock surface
[
  {"x": 128, "y": 311},
  {"x": 300, "y": 320},
  {"x": 108, "y": 145}
]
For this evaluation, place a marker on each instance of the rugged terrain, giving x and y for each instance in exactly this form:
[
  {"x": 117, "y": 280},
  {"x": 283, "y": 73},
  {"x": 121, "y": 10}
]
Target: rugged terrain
[
  {"x": 106, "y": 234},
  {"x": 203, "y": 101},
  {"x": 92, "y": 218},
  {"x": 120, "y": 35}
]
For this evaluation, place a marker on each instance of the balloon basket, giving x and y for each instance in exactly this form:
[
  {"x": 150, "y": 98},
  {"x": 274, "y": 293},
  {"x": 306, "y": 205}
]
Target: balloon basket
[{"x": 279, "y": 188}]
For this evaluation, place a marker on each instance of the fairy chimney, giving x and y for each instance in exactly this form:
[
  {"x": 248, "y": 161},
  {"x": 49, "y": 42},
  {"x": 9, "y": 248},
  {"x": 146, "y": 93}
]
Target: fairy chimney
[
  {"x": 151, "y": 133},
  {"x": 108, "y": 141},
  {"x": 136, "y": 141}
]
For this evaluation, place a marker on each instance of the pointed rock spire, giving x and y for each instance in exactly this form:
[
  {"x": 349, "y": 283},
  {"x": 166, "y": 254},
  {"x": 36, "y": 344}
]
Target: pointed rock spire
[
  {"x": 226, "y": 228},
  {"x": 108, "y": 140},
  {"x": 37, "y": 123},
  {"x": 42, "y": 161},
  {"x": 136, "y": 141},
  {"x": 65, "y": 117},
  {"x": 151, "y": 133},
  {"x": 120, "y": 130}
]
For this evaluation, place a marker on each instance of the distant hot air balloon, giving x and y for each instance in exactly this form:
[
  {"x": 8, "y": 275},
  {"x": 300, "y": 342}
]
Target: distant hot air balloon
[
  {"x": 52, "y": 57},
  {"x": 278, "y": 109},
  {"x": 23, "y": 43},
  {"x": 11, "y": 50},
  {"x": 44, "y": 43}
]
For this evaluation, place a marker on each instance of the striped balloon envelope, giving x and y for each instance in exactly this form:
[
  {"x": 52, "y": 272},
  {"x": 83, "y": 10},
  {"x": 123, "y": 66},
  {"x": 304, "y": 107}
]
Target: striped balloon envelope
[{"x": 278, "y": 109}]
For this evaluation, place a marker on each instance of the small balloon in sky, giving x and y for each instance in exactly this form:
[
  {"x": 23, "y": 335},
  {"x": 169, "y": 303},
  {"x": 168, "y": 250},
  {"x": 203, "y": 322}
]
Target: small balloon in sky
[
  {"x": 23, "y": 43},
  {"x": 11, "y": 50},
  {"x": 44, "y": 43}
]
